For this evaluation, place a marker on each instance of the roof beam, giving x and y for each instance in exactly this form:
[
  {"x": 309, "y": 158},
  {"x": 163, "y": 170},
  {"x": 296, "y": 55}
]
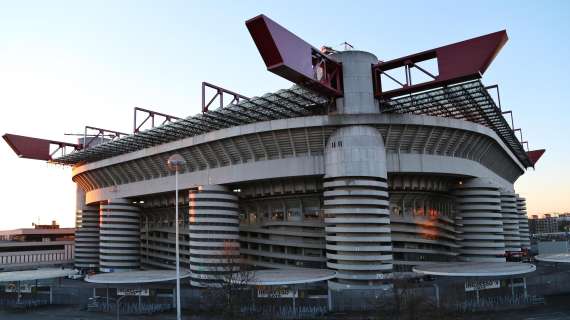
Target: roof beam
[
  {"x": 290, "y": 57},
  {"x": 457, "y": 62},
  {"x": 36, "y": 148}
]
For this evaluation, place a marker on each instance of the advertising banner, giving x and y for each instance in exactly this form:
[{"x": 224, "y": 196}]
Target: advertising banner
[
  {"x": 276, "y": 292},
  {"x": 472, "y": 285},
  {"x": 13, "y": 287},
  {"x": 132, "y": 292}
]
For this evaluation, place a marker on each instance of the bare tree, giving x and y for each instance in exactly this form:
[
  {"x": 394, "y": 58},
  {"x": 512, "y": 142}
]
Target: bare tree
[
  {"x": 232, "y": 277},
  {"x": 412, "y": 301},
  {"x": 407, "y": 303}
]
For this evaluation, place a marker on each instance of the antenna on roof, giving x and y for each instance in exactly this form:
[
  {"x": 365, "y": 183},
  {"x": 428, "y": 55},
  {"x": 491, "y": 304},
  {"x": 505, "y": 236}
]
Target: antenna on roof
[{"x": 347, "y": 46}]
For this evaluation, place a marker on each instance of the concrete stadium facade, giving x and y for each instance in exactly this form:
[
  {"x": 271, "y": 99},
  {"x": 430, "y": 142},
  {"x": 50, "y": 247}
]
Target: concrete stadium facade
[{"x": 365, "y": 193}]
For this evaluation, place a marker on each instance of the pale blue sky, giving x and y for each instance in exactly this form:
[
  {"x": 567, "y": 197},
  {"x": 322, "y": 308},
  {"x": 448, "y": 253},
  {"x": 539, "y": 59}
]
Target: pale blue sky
[{"x": 66, "y": 64}]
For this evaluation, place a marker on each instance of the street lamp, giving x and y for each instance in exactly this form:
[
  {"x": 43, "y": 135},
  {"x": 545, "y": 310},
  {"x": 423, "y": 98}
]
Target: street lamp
[{"x": 175, "y": 163}]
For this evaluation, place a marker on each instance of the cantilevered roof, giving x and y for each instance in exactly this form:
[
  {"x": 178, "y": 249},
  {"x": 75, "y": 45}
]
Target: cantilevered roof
[
  {"x": 556, "y": 257},
  {"x": 142, "y": 276},
  {"x": 37, "y": 274},
  {"x": 475, "y": 269},
  {"x": 294, "y": 102},
  {"x": 275, "y": 277},
  {"x": 465, "y": 101}
]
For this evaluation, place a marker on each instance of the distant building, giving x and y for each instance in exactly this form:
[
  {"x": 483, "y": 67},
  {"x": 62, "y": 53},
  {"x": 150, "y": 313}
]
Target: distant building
[
  {"x": 41, "y": 246},
  {"x": 548, "y": 224},
  {"x": 564, "y": 221}
]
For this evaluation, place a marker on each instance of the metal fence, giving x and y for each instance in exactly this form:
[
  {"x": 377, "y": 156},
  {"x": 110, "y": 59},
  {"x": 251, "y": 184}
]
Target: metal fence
[
  {"x": 497, "y": 303},
  {"x": 128, "y": 308},
  {"x": 277, "y": 311},
  {"x": 27, "y": 304}
]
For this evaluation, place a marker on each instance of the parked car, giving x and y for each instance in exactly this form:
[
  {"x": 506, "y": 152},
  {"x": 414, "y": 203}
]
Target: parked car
[{"x": 76, "y": 276}]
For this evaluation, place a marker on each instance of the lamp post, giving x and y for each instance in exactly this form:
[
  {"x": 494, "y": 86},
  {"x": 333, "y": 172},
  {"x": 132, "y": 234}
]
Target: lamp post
[
  {"x": 176, "y": 162},
  {"x": 118, "y": 304}
]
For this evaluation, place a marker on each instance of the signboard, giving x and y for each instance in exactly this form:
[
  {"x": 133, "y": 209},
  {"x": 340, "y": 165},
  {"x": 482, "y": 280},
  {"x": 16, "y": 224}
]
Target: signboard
[
  {"x": 132, "y": 292},
  {"x": 276, "y": 292},
  {"x": 13, "y": 287},
  {"x": 472, "y": 285}
]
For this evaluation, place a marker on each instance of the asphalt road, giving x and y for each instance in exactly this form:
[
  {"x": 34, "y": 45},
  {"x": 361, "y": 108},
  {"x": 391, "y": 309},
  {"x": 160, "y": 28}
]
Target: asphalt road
[{"x": 72, "y": 313}]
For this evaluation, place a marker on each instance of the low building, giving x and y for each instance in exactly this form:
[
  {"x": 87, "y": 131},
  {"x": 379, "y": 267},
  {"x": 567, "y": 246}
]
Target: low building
[
  {"x": 548, "y": 224},
  {"x": 41, "y": 246}
]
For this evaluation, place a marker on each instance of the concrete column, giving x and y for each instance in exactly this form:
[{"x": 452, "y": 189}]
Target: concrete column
[
  {"x": 357, "y": 219},
  {"x": 358, "y": 96},
  {"x": 480, "y": 221},
  {"x": 86, "y": 233},
  {"x": 214, "y": 234},
  {"x": 120, "y": 236},
  {"x": 523, "y": 223},
  {"x": 510, "y": 222}
]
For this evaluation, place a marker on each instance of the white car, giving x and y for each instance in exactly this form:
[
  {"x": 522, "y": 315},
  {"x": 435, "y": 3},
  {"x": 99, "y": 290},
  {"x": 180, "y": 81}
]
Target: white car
[{"x": 76, "y": 276}]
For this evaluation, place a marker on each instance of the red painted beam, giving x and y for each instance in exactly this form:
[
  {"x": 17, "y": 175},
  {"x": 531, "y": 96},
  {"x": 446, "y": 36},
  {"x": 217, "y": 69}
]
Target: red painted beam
[
  {"x": 220, "y": 92},
  {"x": 535, "y": 155},
  {"x": 290, "y": 57},
  {"x": 34, "y": 148},
  {"x": 461, "y": 61},
  {"x": 150, "y": 115}
]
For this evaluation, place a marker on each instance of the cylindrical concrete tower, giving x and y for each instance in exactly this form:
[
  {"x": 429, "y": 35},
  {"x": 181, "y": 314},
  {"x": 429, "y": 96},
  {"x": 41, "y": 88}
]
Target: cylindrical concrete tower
[
  {"x": 214, "y": 234},
  {"x": 119, "y": 236},
  {"x": 510, "y": 222},
  {"x": 358, "y": 94},
  {"x": 357, "y": 219},
  {"x": 86, "y": 234},
  {"x": 523, "y": 223},
  {"x": 480, "y": 219}
]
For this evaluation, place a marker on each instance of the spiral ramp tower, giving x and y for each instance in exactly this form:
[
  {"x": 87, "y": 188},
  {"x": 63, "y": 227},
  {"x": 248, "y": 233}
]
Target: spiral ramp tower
[
  {"x": 357, "y": 220},
  {"x": 510, "y": 222},
  {"x": 214, "y": 234},
  {"x": 86, "y": 234},
  {"x": 356, "y": 200},
  {"x": 523, "y": 223},
  {"x": 479, "y": 213},
  {"x": 119, "y": 236}
]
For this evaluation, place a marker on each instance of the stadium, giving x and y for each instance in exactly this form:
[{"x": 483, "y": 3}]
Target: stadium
[{"x": 364, "y": 167}]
